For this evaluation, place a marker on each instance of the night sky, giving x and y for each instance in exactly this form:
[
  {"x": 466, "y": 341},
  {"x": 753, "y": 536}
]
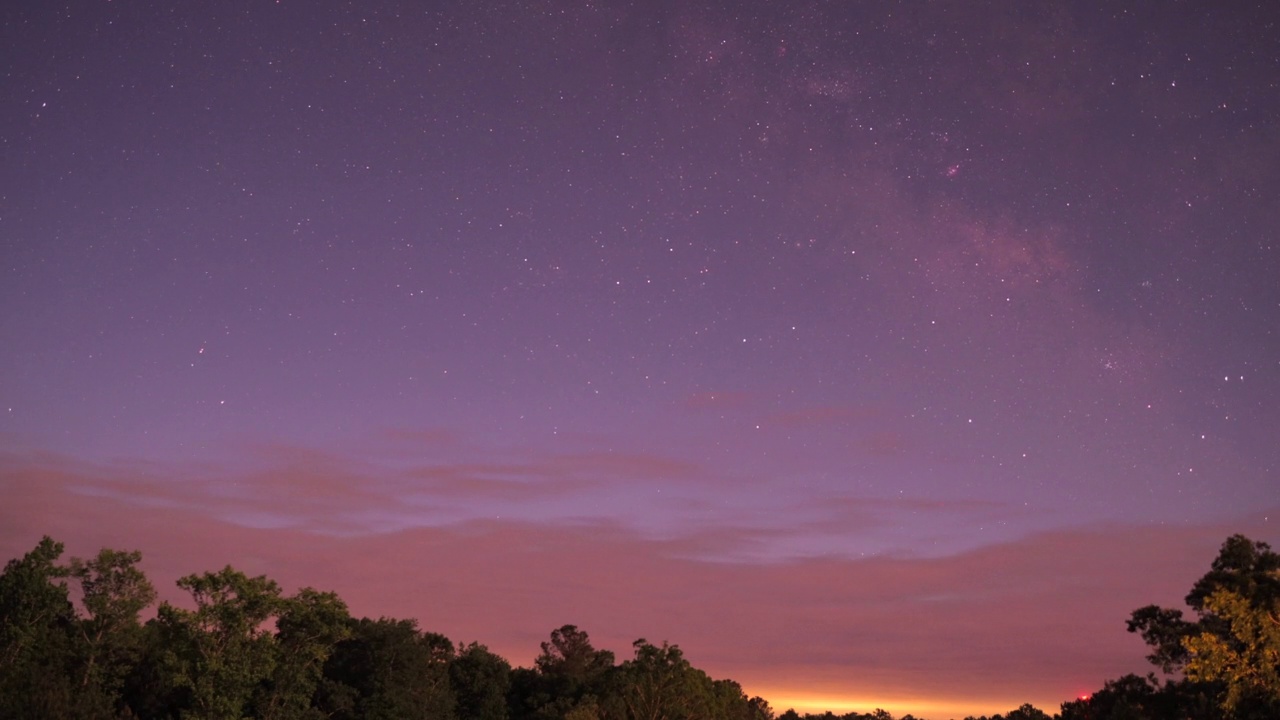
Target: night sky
[{"x": 876, "y": 353}]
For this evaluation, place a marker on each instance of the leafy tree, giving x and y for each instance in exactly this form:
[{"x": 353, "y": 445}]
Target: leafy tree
[
  {"x": 1027, "y": 711},
  {"x": 660, "y": 684},
  {"x": 758, "y": 708},
  {"x": 31, "y": 600},
  {"x": 1244, "y": 567},
  {"x": 309, "y": 627},
  {"x": 570, "y": 655},
  {"x": 1234, "y": 644},
  {"x": 1127, "y": 698},
  {"x": 1245, "y": 657},
  {"x": 728, "y": 701},
  {"x": 1163, "y": 630},
  {"x": 1189, "y": 700},
  {"x": 222, "y": 651},
  {"x": 149, "y": 690},
  {"x": 36, "y": 626},
  {"x": 480, "y": 681},
  {"x": 587, "y": 709},
  {"x": 386, "y": 670},
  {"x": 568, "y": 675},
  {"x": 1139, "y": 698},
  {"x": 113, "y": 592},
  {"x": 527, "y": 694}
]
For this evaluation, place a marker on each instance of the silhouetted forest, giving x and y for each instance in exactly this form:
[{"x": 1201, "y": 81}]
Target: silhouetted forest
[{"x": 72, "y": 645}]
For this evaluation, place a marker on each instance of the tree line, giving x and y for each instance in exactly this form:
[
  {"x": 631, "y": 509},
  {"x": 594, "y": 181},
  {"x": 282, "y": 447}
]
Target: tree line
[{"x": 247, "y": 650}]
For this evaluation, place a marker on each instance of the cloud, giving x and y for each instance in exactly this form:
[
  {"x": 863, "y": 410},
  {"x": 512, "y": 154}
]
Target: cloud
[
  {"x": 327, "y": 492},
  {"x": 1040, "y": 618}
]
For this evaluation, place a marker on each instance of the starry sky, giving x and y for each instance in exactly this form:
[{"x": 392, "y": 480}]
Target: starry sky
[{"x": 877, "y": 353}]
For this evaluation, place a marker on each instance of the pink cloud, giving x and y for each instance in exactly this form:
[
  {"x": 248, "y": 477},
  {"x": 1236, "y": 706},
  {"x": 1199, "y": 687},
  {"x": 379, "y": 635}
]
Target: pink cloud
[{"x": 1037, "y": 620}]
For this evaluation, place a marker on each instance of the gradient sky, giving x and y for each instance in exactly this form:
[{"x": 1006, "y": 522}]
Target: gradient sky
[{"x": 876, "y": 353}]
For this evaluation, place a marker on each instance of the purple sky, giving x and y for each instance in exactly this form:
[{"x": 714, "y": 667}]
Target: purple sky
[{"x": 752, "y": 301}]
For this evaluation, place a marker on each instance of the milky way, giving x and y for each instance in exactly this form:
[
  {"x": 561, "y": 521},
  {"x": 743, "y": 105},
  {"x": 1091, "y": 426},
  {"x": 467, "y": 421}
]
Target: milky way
[{"x": 796, "y": 289}]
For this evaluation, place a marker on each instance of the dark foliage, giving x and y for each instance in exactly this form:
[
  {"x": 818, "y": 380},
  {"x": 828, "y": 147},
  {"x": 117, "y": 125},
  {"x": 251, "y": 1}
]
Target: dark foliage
[{"x": 248, "y": 651}]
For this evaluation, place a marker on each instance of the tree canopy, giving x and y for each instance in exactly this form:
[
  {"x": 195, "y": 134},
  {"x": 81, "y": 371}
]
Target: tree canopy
[
  {"x": 1231, "y": 650},
  {"x": 72, "y": 645}
]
